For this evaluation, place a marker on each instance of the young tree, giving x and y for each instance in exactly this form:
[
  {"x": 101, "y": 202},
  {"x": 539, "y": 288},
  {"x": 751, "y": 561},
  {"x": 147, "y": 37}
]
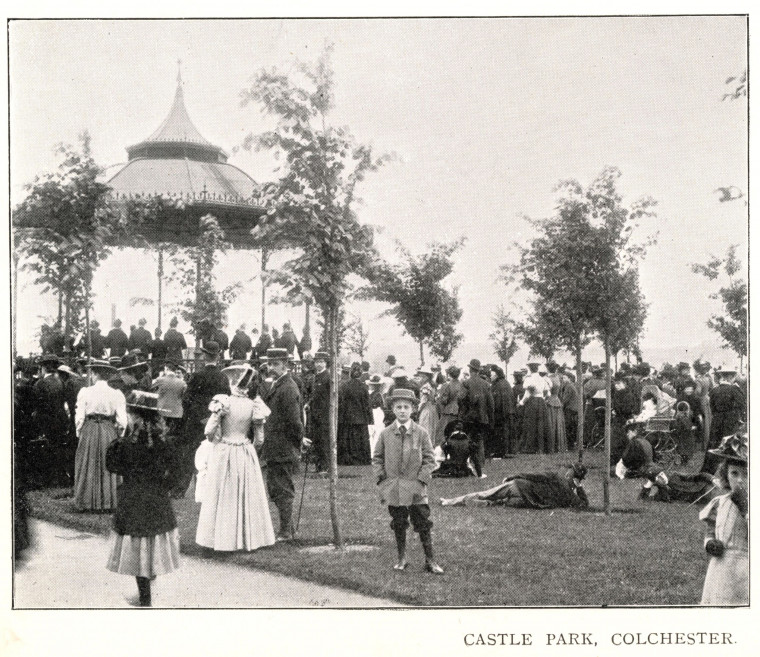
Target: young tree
[
  {"x": 576, "y": 270},
  {"x": 503, "y": 336},
  {"x": 314, "y": 199},
  {"x": 426, "y": 310},
  {"x": 74, "y": 227},
  {"x": 356, "y": 337},
  {"x": 194, "y": 271},
  {"x": 446, "y": 339},
  {"x": 731, "y": 326}
]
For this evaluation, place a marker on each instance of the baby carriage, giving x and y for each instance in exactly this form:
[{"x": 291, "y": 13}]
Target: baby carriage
[
  {"x": 456, "y": 449},
  {"x": 659, "y": 431}
]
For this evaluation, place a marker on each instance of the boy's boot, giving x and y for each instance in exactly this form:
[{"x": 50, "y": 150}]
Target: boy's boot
[
  {"x": 401, "y": 547},
  {"x": 427, "y": 545}
]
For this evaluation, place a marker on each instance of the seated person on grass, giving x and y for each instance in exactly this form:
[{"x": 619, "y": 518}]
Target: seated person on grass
[
  {"x": 456, "y": 448},
  {"x": 637, "y": 460},
  {"x": 543, "y": 490}
]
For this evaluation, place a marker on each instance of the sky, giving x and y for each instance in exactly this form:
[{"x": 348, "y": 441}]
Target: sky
[{"x": 485, "y": 116}]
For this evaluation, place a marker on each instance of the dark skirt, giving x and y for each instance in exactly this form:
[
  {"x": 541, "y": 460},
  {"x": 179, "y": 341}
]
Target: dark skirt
[
  {"x": 353, "y": 445},
  {"x": 94, "y": 486},
  {"x": 534, "y": 426}
]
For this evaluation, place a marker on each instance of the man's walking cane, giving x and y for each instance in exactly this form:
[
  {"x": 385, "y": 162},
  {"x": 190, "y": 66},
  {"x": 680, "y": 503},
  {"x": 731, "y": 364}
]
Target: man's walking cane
[{"x": 303, "y": 489}]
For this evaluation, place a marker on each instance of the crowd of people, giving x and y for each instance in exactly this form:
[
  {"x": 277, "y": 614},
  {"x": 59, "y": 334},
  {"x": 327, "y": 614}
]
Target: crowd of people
[{"x": 122, "y": 421}]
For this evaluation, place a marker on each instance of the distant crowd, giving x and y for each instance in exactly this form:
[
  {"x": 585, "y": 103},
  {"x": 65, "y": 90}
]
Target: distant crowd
[{"x": 129, "y": 421}]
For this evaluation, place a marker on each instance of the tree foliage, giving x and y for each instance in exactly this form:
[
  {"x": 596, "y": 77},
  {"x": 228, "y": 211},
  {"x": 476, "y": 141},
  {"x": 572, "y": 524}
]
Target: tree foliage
[
  {"x": 314, "y": 202},
  {"x": 75, "y": 225},
  {"x": 503, "y": 336},
  {"x": 581, "y": 270},
  {"x": 356, "y": 337},
  {"x": 731, "y": 326},
  {"x": 426, "y": 310},
  {"x": 201, "y": 300},
  {"x": 738, "y": 86}
]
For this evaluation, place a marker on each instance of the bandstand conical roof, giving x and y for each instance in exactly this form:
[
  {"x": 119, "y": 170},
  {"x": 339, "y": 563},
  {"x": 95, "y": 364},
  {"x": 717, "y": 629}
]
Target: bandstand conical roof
[{"x": 177, "y": 163}]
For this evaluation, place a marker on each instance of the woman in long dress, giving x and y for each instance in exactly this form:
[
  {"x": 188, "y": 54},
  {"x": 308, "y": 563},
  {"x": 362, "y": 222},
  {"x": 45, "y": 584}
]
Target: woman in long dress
[
  {"x": 101, "y": 416},
  {"x": 534, "y": 423},
  {"x": 354, "y": 418},
  {"x": 555, "y": 422},
  {"x": 234, "y": 508}
]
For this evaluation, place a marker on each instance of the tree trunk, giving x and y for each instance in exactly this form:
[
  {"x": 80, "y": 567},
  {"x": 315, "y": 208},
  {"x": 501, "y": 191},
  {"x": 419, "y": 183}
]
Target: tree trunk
[
  {"x": 67, "y": 321},
  {"x": 581, "y": 405},
  {"x": 160, "y": 283},
  {"x": 88, "y": 337},
  {"x": 15, "y": 300},
  {"x": 422, "y": 355},
  {"x": 264, "y": 260},
  {"x": 60, "y": 306},
  {"x": 331, "y": 327},
  {"x": 607, "y": 428},
  {"x": 307, "y": 318}
]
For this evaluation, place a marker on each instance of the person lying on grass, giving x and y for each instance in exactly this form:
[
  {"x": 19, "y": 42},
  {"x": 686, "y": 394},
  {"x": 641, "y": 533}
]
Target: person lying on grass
[
  {"x": 542, "y": 490},
  {"x": 403, "y": 463}
]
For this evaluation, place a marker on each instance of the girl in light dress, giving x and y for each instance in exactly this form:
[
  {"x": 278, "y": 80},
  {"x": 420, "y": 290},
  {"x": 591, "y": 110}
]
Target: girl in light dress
[
  {"x": 727, "y": 520},
  {"x": 234, "y": 507}
]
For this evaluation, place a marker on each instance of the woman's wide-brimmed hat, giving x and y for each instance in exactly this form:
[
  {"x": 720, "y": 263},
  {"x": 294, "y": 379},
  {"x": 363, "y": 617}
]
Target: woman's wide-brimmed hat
[
  {"x": 239, "y": 375},
  {"x": 67, "y": 370},
  {"x": 453, "y": 371},
  {"x": 579, "y": 470},
  {"x": 452, "y": 426},
  {"x": 146, "y": 401},
  {"x": 375, "y": 380},
  {"x": 321, "y": 355},
  {"x": 133, "y": 367},
  {"x": 101, "y": 366},
  {"x": 733, "y": 448},
  {"x": 49, "y": 359},
  {"x": 403, "y": 394}
]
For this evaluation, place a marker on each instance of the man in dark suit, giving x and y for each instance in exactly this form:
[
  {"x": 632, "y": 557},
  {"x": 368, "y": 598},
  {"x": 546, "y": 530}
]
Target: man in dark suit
[
  {"x": 158, "y": 352},
  {"x": 116, "y": 340},
  {"x": 97, "y": 341},
  {"x": 288, "y": 340},
  {"x": 222, "y": 339},
  {"x": 240, "y": 345},
  {"x": 72, "y": 383},
  {"x": 477, "y": 412},
  {"x": 201, "y": 388},
  {"x": 283, "y": 433},
  {"x": 319, "y": 410},
  {"x": 50, "y": 420},
  {"x": 174, "y": 341},
  {"x": 140, "y": 337},
  {"x": 265, "y": 342}
]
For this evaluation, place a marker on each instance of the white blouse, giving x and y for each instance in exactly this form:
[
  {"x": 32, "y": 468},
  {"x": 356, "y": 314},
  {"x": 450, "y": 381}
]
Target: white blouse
[{"x": 101, "y": 399}]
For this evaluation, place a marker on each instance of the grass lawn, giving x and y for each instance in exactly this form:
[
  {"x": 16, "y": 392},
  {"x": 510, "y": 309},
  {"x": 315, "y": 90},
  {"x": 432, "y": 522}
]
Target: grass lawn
[{"x": 645, "y": 553}]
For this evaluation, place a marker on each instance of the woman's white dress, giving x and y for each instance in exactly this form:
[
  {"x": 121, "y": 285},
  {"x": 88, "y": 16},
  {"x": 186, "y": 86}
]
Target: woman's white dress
[{"x": 234, "y": 507}]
